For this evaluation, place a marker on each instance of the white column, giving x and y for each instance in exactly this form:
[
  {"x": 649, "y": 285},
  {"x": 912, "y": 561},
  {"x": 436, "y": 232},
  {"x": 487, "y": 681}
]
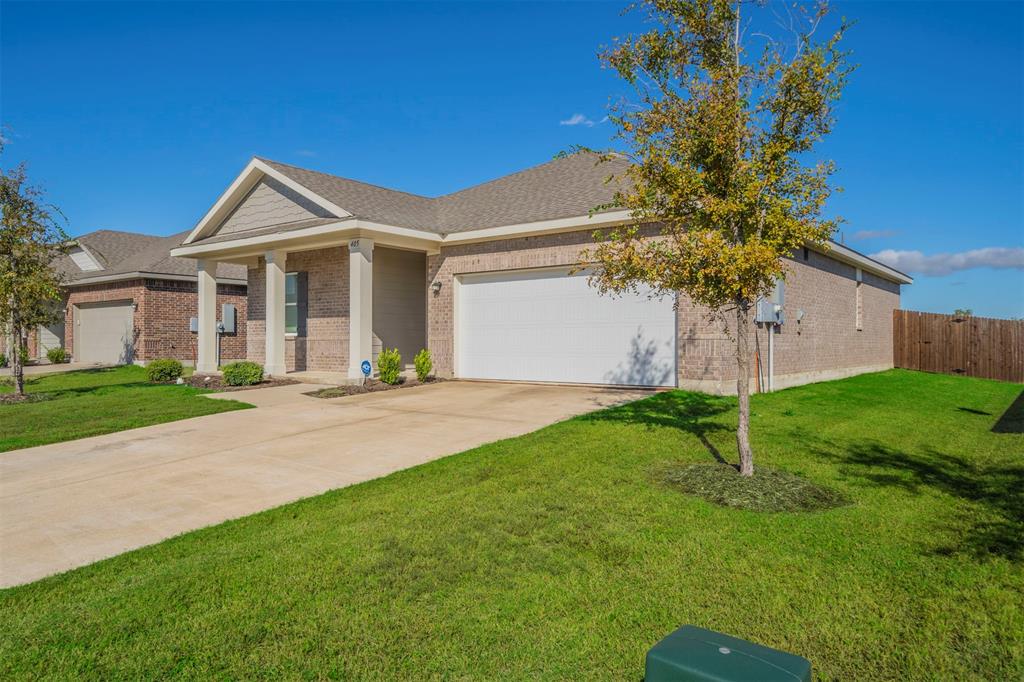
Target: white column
[
  {"x": 360, "y": 293},
  {"x": 207, "y": 341},
  {"x": 274, "y": 361}
]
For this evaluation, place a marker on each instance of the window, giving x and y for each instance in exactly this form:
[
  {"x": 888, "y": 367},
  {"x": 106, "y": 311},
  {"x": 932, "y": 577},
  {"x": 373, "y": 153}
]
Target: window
[
  {"x": 860, "y": 300},
  {"x": 291, "y": 303}
]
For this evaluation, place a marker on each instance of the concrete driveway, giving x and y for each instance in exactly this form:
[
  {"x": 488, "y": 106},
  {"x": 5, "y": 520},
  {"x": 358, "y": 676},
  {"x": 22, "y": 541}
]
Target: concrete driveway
[
  {"x": 69, "y": 504},
  {"x": 46, "y": 368}
]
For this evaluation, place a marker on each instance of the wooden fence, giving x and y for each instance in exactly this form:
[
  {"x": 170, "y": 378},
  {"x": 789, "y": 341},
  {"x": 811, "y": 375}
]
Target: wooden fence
[{"x": 972, "y": 346}]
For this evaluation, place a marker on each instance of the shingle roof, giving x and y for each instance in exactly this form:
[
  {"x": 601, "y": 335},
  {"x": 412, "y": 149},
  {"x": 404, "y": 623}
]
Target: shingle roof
[
  {"x": 129, "y": 252},
  {"x": 565, "y": 187}
]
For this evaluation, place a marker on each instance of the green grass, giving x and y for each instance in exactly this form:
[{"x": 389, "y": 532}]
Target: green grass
[
  {"x": 95, "y": 401},
  {"x": 557, "y": 556}
]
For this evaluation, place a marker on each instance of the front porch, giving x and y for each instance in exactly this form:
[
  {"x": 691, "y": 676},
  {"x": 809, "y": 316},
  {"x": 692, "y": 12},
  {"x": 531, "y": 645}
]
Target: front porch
[{"x": 317, "y": 312}]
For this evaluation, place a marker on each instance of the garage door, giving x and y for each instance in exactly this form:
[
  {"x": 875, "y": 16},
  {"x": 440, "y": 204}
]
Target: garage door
[
  {"x": 104, "y": 333},
  {"x": 549, "y": 325}
]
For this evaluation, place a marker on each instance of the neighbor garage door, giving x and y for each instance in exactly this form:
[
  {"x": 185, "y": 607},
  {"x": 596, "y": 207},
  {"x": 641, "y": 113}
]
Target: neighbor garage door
[
  {"x": 549, "y": 325},
  {"x": 104, "y": 332}
]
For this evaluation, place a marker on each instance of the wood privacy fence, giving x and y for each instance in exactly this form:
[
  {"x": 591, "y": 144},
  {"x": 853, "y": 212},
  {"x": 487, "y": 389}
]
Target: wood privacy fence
[{"x": 972, "y": 346}]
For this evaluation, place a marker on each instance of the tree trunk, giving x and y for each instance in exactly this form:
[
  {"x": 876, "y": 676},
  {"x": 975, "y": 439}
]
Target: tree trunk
[
  {"x": 743, "y": 388},
  {"x": 16, "y": 368}
]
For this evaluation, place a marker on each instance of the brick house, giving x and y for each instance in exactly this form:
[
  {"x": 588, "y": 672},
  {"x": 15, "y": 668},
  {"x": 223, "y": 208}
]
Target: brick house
[
  {"x": 485, "y": 279},
  {"x": 127, "y": 300}
]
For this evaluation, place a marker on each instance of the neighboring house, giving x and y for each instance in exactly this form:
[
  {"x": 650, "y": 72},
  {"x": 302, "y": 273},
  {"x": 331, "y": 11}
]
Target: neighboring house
[
  {"x": 484, "y": 278},
  {"x": 127, "y": 300}
]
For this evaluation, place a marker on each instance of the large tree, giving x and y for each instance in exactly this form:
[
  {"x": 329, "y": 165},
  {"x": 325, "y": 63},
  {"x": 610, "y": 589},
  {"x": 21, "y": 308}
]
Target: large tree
[
  {"x": 721, "y": 137},
  {"x": 31, "y": 239}
]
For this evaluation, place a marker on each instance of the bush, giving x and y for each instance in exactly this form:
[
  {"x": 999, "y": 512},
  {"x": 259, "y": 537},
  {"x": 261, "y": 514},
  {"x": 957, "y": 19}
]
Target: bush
[
  {"x": 57, "y": 355},
  {"x": 3, "y": 360},
  {"x": 389, "y": 365},
  {"x": 23, "y": 354},
  {"x": 163, "y": 370},
  {"x": 424, "y": 365},
  {"x": 242, "y": 373}
]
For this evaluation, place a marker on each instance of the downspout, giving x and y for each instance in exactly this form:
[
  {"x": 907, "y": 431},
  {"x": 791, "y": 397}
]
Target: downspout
[{"x": 771, "y": 356}]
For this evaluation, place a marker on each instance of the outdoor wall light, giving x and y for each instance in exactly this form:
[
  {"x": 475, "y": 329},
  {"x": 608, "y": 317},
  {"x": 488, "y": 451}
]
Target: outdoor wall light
[{"x": 436, "y": 286}]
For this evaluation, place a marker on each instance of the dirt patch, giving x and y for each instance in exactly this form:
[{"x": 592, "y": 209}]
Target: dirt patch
[
  {"x": 369, "y": 386},
  {"x": 768, "y": 490},
  {"x": 216, "y": 383},
  {"x": 14, "y": 398}
]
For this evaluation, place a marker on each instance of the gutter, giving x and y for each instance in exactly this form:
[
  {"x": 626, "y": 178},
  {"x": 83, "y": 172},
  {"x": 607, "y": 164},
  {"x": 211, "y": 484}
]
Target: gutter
[
  {"x": 846, "y": 254},
  {"x": 120, "y": 277}
]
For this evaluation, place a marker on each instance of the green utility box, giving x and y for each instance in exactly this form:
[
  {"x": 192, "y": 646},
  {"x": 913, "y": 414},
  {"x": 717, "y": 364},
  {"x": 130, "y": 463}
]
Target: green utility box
[{"x": 695, "y": 654}]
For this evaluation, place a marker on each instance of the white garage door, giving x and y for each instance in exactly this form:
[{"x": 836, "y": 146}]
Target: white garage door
[
  {"x": 548, "y": 325},
  {"x": 105, "y": 333}
]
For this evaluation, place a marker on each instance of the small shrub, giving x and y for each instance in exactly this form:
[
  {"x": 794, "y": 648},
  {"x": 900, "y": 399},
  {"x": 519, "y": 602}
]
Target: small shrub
[
  {"x": 424, "y": 365},
  {"x": 389, "y": 365},
  {"x": 164, "y": 370},
  {"x": 57, "y": 355},
  {"x": 242, "y": 373},
  {"x": 23, "y": 354},
  {"x": 3, "y": 360}
]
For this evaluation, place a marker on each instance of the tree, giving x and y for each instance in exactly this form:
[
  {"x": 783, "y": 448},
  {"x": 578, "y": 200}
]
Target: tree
[
  {"x": 31, "y": 239},
  {"x": 963, "y": 312},
  {"x": 719, "y": 146}
]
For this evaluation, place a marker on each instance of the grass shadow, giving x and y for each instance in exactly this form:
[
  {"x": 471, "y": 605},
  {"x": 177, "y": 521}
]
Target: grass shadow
[
  {"x": 998, "y": 489},
  {"x": 1012, "y": 421},
  {"x": 690, "y": 412}
]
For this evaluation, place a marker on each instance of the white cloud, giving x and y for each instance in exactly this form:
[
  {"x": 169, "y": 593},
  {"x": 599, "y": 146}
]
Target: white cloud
[
  {"x": 306, "y": 152},
  {"x": 945, "y": 263},
  {"x": 874, "y": 234},
  {"x": 577, "y": 120}
]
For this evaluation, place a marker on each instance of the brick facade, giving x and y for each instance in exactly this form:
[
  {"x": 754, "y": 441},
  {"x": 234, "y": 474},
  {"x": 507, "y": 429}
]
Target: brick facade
[
  {"x": 321, "y": 343},
  {"x": 824, "y": 344},
  {"x": 162, "y": 312}
]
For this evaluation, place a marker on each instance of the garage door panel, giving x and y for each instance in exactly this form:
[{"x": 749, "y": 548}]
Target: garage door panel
[
  {"x": 105, "y": 333},
  {"x": 552, "y": 326}
]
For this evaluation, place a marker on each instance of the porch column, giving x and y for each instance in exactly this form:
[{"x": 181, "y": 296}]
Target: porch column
[
  {"x": 207, "y": 341},
  {"x": 273, "y": 363},
  {"x": 360, "y": 292}
]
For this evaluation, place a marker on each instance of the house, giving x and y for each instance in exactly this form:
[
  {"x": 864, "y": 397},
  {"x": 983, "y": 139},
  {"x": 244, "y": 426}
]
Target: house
[
  {"x": 127, "y": 300},
  {"x": 484, "y": 278}
]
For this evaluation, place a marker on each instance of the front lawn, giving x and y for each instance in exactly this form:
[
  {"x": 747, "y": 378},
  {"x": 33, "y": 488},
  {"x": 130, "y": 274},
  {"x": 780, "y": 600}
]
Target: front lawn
[
  {"x": 91, "y": 402},
  {"x": 557, "y": 555}
]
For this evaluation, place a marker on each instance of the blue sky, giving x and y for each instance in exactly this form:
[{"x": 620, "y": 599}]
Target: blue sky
[{"x": 136, "y": 116}]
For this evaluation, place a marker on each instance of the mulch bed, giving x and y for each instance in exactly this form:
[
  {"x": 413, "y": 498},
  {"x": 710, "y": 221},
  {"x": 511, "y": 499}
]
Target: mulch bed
[
  {"x": 369, "y": 386},
  {"x": 216, "y": 383},
  {"x": 13, "y": 398}
]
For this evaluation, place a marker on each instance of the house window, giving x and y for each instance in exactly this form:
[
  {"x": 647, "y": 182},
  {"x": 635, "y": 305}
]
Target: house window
[
  {"x": 291, "y": 303},
  {"x": 860, "y": 300}
]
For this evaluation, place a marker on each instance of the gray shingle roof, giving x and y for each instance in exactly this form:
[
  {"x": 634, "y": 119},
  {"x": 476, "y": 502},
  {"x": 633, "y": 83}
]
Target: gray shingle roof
[
  {"x": 128, "y": 252},
  {"x": 564, "y": 187}
]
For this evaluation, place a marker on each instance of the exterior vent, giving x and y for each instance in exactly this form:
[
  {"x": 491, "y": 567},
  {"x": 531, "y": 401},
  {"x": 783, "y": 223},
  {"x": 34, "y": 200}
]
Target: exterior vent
[{"x": 84, "y": 260}]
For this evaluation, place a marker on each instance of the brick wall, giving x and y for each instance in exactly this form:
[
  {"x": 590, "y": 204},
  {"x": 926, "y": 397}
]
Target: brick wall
[
  {"x": 322, "y": 341},
  {"x": 162, "y": 313},
  {"x": 164, "y": 320},
  {"x": 826, "y": 343}
]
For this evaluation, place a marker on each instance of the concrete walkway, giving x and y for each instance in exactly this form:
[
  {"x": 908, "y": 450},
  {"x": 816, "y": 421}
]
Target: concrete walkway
[{"x": 69, "y": 504}]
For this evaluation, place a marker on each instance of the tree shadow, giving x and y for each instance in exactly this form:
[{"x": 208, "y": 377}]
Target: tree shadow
[
  {"x": 646, "y": 364},
  {"x": 689, "y": 412},
  {"x": 998, "y": 489},
  {"x": 1011, "y": 421}
]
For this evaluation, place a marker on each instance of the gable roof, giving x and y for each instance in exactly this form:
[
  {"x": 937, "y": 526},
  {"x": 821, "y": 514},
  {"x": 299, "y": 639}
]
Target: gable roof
[
  {"x": 566, "y": 187},
  {"x": 131, "y": 253}
]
